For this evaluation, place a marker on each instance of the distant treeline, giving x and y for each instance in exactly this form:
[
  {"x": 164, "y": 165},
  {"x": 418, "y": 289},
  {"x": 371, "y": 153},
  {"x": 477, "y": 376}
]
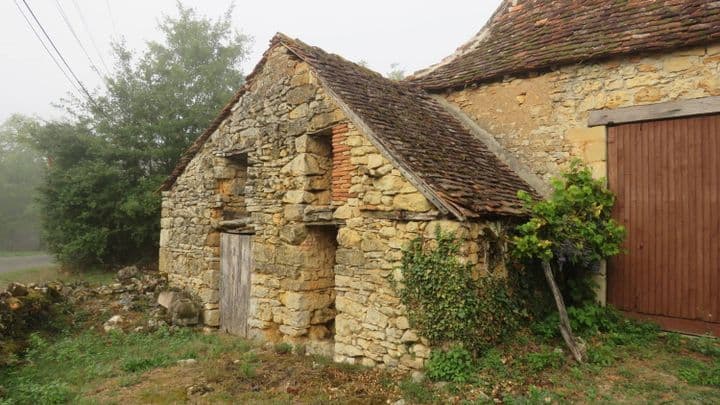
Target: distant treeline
[{"x": 98, "y": 170}]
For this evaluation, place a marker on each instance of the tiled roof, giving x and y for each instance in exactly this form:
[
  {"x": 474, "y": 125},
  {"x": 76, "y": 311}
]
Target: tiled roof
[
  {"x": 530, "y": 35},
  {"x": 451, "y": 166}
]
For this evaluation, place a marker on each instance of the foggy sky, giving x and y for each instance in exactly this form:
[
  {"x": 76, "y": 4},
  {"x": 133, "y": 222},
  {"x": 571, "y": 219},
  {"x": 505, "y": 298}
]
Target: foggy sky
[{"x": 412, "y": 33}]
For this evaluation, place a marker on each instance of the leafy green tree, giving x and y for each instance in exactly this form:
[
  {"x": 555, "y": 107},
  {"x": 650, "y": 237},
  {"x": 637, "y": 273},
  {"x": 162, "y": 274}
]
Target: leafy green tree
[
  {"x": 21, "y": 172},
  {"x": 99, "y": 199},
  {"x": 574, "y": 226}
]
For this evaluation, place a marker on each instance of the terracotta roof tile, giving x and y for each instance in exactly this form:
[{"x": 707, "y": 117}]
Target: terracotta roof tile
[
  {"x": 538, "y": 34},
  {"x": 421, "y": 135}
]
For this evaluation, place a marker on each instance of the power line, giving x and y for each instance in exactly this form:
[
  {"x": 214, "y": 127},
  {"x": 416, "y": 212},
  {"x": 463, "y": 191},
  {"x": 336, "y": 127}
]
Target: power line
[
  {"x": 112, "y": 19},
  {"x": 37, "y": 35},
  {"x": 77, "y": 39},
  {"x": 86, "y": 27},
  {"x": 57, "y": 51}
]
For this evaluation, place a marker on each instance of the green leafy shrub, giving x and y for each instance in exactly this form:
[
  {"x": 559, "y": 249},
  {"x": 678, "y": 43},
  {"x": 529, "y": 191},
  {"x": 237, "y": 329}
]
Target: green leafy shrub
[
  {"x": 603, "y": 355},
  {"x": 545, "y": 359},
  {"x": 455, "y": 365},
  {"x": 446, "y": 304},
  {"x": 283, "y": 348}
]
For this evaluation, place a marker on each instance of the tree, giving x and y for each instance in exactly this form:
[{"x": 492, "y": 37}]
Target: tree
[
  {"x": 21, "y": 172},
  {"x": 574, "y": 226},
  {"x": 396, "y": 72},
  {"x": 100, "y": 203}
]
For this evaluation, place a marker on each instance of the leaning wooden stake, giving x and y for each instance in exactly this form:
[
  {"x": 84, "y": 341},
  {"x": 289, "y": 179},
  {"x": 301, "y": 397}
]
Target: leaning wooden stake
[{"x": 577, "y": 350}]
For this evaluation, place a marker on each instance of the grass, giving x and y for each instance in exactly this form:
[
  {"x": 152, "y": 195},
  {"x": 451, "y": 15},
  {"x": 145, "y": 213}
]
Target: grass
[
  {"x": 627, "y": 363},
  {"x": 64, "y": 370},
  {"x": 21, "y": 253},
  {"x": 50, "y": 273}
]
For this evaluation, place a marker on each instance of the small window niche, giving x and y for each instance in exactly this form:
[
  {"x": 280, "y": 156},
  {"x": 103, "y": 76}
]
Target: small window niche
[
  {"x": 232, "y": 186},
  {"x": 319, "y": 150}
]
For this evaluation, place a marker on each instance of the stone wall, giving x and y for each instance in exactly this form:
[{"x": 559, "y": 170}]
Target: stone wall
[
  {"x": 542, "y": 118},
  {"x": 330, "y": 216}
]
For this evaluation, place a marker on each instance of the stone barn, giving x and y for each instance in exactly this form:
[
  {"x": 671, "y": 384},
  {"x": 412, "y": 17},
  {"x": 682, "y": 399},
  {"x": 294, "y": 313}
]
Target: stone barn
[
  {"x": 631, "y": 87},
  {"x": 288, "y": 216}
]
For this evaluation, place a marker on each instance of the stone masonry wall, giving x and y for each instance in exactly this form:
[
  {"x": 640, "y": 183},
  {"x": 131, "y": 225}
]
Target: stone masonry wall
[
  {"x": 542, "y": 119},
  {"x": 330, "y": 213}
]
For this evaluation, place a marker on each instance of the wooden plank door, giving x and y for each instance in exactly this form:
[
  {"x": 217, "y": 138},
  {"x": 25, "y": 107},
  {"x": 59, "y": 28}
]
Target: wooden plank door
[
  {"x": 666, "y": 177},
  {"x": 235, "y": 268}
]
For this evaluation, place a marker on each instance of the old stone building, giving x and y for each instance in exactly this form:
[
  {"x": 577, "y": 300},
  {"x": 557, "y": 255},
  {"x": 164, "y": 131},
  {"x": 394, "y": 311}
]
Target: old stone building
[{"x": 288, "y": 216}]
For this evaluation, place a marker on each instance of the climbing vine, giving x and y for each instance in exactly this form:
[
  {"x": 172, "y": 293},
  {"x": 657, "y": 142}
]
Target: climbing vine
[{"x": 447, "y": 304}]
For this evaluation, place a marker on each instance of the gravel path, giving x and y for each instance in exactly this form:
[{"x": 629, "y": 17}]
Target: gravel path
[{"x": 8, "y": 264}]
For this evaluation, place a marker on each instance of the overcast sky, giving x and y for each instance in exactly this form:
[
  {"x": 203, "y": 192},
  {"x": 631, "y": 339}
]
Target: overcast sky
[{"x": 412, "y": 33}]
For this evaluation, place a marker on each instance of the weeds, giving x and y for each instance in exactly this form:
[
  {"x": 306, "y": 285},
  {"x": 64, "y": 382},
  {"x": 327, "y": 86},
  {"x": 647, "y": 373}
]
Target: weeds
[
  {"x": 416, "y": 392},
  {"x": 699, "y": 373},
  {"x": 455, "y": 365},
  {"x": 545, "y": 359},
  {"x": 283, "y": 348},
  {"x": 706, "y": 345}
]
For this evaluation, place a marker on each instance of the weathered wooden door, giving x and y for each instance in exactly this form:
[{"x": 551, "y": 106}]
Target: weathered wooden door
[
  {"x": 235, "y": 269},
  {"x": 666, "y": 175}
]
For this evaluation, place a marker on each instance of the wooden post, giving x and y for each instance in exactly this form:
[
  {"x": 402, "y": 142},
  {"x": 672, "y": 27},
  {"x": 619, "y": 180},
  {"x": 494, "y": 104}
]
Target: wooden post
[{"x": 576, "y": 349}]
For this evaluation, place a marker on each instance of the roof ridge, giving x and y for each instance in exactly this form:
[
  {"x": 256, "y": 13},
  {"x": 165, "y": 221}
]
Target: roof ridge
[{"x": 534, "y": 35}]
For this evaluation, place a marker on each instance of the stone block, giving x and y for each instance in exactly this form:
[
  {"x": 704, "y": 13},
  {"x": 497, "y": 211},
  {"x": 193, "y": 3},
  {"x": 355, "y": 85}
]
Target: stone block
[
  {"x": 294, "y": 212},
  {"x": 377, "y": 318},
  {"x": 584, "y": 135},
  {"x": 297, "y": 319},
  {"x": 409, "y": 337},
  {"x": 299, "y": 111},
  {"x": 648, "y": 95},
  {"x": 166, "y": 298},
  {"x": 414, "y": 202},
  {"x": 301, "y": 94},
  {"x": 680, "y": 63},
  {"x": 375, "y": 160},
  {"x": 292, "y": 332},
  {"x": 350, "y": 307},
  {"x": 348, "y": 350},
  {"x": 308, "y": 300},
  {"x": 349, "y": 238},
  {"x": 349, "y": 257},
  {"x": 211, "y": 317},
  {"x": 298, "y": 197},
  {"x": 594, "y": 152},
  {"x": 304, "y": 164},
  {"x": 390, "y": 184},
  {"x": 402, "y": 323},
  {"x": 293, "y": 234}
]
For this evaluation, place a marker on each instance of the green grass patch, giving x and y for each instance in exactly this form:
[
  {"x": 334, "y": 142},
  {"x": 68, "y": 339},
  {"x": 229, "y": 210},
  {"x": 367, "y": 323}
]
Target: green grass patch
[
  {"x": 52, "y": 273},
  {"x": 22, "y": 253},
  {"x": 60, "y": 371},
  {"x": 698, "y": 372}
]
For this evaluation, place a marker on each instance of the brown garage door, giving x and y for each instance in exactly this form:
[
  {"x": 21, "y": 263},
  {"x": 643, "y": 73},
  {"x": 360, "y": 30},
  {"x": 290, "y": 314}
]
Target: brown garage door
[{"x": 666, "y": 176}]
